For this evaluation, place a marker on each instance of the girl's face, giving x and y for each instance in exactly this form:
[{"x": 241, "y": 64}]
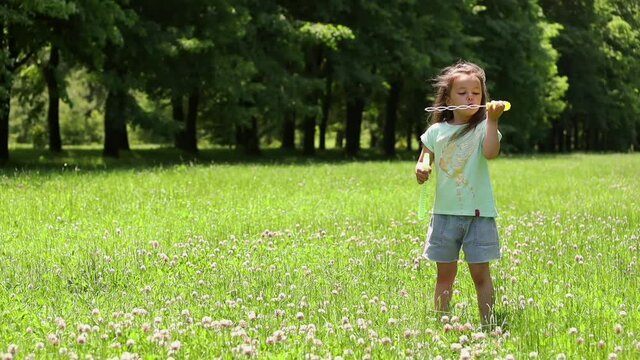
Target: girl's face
[{"x": 465, "y": 90}]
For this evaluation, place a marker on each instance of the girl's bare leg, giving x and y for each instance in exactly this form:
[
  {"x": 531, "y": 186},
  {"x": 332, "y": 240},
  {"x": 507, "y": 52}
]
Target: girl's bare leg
[
  {"x": 484, "y": 290},
  {"x": 444, "y": 285}
]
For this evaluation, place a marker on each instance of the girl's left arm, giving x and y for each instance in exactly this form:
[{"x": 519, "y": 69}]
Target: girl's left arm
[{"x": 491, "y": 145}]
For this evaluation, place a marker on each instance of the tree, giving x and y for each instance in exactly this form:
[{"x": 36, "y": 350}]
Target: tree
[
  {"x": 516, "y": 52},
  {"x": 20, "y": 39},
  {"x": 597, "y": 49}
]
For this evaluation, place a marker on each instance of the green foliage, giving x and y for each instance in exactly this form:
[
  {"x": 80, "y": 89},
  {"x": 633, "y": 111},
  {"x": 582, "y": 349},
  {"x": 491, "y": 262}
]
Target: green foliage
[
  {"x": 567, "y": 67},
  {"x": 521, "y": 68},
  {"x": 329, "y": 35},
  {"x": 597, "y": 48}
]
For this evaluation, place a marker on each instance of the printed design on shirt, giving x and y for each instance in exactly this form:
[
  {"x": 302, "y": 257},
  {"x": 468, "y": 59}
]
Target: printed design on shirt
[{"x": 454, "y": 158}]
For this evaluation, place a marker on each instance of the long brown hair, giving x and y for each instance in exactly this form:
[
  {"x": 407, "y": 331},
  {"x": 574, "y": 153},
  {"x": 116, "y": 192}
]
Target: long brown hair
[{"x": 443, "y": 84}]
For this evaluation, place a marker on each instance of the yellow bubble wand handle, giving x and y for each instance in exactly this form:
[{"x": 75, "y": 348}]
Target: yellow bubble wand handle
[{"x": 507, "y": 106}]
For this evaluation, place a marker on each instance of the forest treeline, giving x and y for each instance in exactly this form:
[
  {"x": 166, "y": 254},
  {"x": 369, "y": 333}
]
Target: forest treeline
[{"x": 298, "y": 74}]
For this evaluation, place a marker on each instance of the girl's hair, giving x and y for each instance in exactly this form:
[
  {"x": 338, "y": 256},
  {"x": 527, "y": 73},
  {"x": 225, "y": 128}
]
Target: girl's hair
[{"x": 443, "y": 84}]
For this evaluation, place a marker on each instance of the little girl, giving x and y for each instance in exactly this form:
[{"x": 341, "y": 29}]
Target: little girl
[{"x": 458, "y": 144}]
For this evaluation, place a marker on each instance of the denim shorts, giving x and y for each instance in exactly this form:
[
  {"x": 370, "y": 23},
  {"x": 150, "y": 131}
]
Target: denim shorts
[{"x": 477, "y": 236}]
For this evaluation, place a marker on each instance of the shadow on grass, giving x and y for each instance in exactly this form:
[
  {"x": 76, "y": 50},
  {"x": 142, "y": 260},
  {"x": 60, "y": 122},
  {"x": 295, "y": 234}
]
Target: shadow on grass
[{"x": 89, "y": 159}]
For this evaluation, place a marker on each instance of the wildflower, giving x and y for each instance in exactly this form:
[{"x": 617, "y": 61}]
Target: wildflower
[
  {"x": 573, "y": 331},
  {"x": 533, "y": 355},
  {"x": 82, "y": 339},
  {"x": 479, "y": 336},
  {"x": 617, "y": 328},
  {"x": 53, "y": 339},
  {"x": 175, "y": 346},
  {"x": 61, "y": 324},
  {"x": 410, "y": 333}
]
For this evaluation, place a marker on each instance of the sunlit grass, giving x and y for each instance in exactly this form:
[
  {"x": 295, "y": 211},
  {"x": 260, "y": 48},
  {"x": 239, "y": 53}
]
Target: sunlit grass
[{"x": 308, "y": 258}]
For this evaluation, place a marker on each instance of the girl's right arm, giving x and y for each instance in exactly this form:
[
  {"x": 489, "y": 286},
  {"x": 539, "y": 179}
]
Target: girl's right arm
[{"x": 423, "y": 168}]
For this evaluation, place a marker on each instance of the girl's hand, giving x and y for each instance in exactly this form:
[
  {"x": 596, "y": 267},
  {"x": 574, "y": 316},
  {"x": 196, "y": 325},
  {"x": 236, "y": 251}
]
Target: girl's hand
[
  {"x": 495, "y": 110},
  {"x": 423, "y": 171}
]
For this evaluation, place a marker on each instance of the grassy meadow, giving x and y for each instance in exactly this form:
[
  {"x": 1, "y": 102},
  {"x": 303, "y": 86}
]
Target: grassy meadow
[{"x": 308, "y": 259}]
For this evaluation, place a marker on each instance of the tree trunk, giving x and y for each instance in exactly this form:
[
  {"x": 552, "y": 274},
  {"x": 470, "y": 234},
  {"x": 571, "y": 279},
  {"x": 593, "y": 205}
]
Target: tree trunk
[
  {"x": 53, "y": 112},
  {"x": 289, "y": 131},
  {"x": 326, "y": 107},
  {"x": 354, "y": 125},
  {"x": 5, "y": 108},
  {"x": 339, "y": 139},
  {"x": 5, "y": 96},
  {"x": 309, "y": 137},
  {"x": 115, "y": 135},
  {"x": 247, "y": 137},
  {"x": 177, "y": 113},
  {"x": 191, "y": 140},
  {"x": 123, "y": 137},
  {"x": 391, "y": 120}
]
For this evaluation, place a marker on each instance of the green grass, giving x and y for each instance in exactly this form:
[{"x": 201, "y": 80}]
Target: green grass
[{"x": 288, "y": 258}]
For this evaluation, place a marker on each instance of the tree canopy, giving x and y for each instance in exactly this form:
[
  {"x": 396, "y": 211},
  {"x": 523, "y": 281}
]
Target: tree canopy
[{"x": 251, "y": 74}]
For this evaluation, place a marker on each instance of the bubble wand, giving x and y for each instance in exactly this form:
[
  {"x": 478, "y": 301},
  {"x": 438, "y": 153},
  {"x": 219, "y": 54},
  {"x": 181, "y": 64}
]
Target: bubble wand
[{"x": 507, "y": 106}]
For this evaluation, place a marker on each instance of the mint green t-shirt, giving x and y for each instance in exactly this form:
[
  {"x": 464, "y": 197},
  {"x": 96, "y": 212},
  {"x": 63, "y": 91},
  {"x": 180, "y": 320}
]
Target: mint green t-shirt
[{"x": 463, "y": 186}]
